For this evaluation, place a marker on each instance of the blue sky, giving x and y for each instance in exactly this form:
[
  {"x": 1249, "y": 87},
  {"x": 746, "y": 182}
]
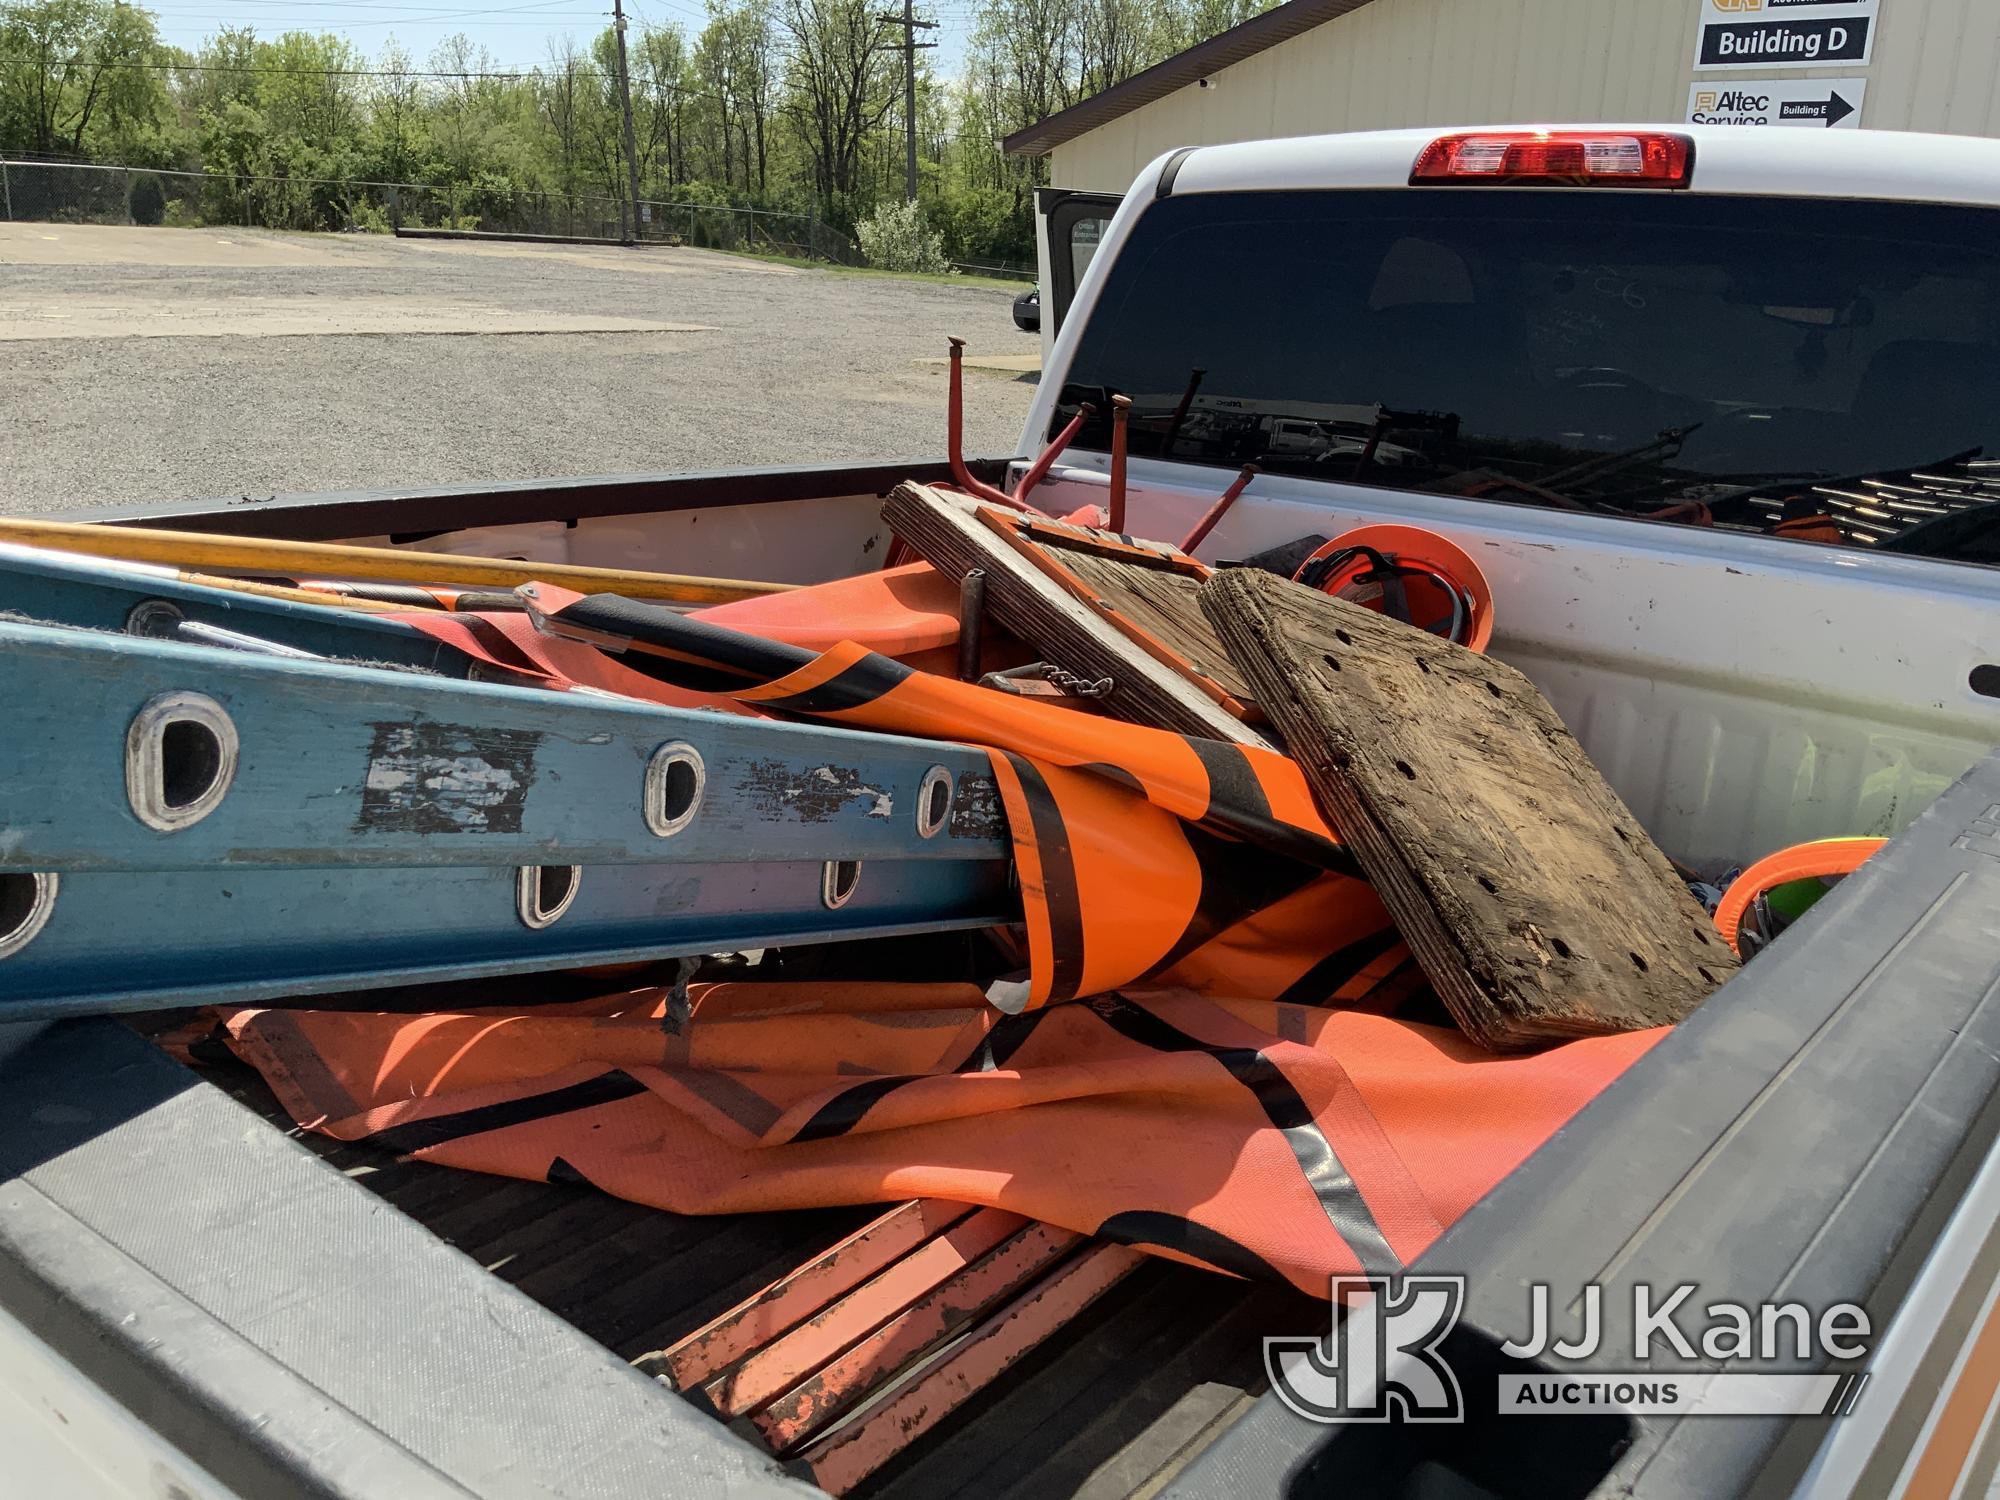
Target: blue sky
[{"x": 516, "y": 32}]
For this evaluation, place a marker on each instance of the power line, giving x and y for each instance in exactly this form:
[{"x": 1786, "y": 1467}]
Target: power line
[
  {"x": 293, "y": 23},
  {"x": 679, "y": 5},
  {"x": 434, "y": 14},
  {"x": 515, "y": 75},
  {"x": 431, "y": 10},
  {"x": 911, "y": 26},
  {"x": 511, "y": 75},
  {"x": 679, "y": 90},
  {"x": 625, "y": 106},
  {"x": 166, "y": 14}
]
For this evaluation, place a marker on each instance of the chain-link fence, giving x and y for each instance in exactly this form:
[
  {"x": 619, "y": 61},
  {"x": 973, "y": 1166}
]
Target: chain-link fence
[
  {"x": 1003, "y": 270},
  {"x": 594, "y": 216},
  {"x": 75, "y": 193}
]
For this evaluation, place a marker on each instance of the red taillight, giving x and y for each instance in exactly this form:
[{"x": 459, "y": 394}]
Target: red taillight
[{"x": 1571, "y": 158}]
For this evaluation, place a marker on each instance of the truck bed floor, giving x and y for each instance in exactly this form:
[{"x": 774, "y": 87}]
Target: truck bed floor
[{"x": 1110, "y": 1406}]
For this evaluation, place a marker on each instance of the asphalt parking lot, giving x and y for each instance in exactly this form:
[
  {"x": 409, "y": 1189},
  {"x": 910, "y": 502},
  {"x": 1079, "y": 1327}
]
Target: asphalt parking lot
[{"x": 147, "y": 366}]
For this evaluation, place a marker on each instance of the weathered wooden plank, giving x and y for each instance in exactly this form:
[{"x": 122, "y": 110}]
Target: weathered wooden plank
[
  {"x": 1535, "y": 902},
  {"x": 947, "y": 531},
  {"x": 1165, "y": 605}
]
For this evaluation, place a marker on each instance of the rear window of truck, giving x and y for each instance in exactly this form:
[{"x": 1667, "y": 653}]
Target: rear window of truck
[{"x": 1814, "y": 368}]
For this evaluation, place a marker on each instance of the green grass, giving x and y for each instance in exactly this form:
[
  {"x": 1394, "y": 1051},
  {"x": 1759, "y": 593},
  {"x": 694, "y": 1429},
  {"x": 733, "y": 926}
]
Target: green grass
[{"x": 996, "y": 282}]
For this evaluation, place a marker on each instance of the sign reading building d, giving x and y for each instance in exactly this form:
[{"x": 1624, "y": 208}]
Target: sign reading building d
[
  {"x": 1785, "y": 33},
  {"x": 1813, "y": 103}
]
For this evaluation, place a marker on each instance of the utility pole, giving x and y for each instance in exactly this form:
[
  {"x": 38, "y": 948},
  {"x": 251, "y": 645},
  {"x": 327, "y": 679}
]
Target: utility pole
[
  {"x": 625, "y": 102},
  {"x": 911, "y": 26}
]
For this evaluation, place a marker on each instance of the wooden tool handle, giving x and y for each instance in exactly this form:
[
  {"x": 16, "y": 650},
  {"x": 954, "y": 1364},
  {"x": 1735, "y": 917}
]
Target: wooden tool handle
[{"x": 198, "y": 550}]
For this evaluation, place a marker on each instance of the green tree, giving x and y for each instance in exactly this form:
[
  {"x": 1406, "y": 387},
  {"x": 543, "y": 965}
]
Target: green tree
[
  {"x": 396, "y": 125},
  {"x": 565, "y": 94},
  {"x": 69, "y": 82},
  {"x": 661, "y": 91},
  {"x": 838, "y": 86},
  {"x": 774, "y": 103}
]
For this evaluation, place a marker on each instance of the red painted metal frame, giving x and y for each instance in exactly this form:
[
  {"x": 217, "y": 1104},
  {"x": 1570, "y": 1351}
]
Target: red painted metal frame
[
  {"x": 955, "y": 434},
  {"x": 846, "y": 1361},
  {"x": 1039, "y": 469},
  {"x": 785, "y": 1361},
  {"x": 1114, "y": 504},
  {"x": 850, "y": 1455},
  {"x": 1218, "y": 510},
  {"x": 789, "y": 1301},
  {"x": 927, "y": 1322}
]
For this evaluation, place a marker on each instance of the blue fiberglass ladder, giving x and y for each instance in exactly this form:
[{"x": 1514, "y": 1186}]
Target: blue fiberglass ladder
[
  {"x": 95, "y": 593},
  {"x": 186, "y": 824}
]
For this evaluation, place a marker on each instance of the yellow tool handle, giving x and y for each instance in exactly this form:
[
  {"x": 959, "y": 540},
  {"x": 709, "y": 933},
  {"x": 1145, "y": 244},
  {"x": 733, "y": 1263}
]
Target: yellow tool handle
[
  {"x": 198, "y": 550},
  {"x": 297, "y": 596}
]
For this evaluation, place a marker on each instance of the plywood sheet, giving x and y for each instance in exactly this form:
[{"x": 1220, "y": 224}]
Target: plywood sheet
[{"x": 1535, "y": 902}]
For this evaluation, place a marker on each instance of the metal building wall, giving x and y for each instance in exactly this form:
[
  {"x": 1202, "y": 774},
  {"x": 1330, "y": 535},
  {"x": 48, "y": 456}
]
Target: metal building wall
[{"x": 1472, "y": 62}]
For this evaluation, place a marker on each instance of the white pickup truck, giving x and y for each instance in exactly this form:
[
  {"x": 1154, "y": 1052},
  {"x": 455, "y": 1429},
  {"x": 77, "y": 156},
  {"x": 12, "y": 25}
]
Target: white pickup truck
[{"x": 1717, "y": 411}]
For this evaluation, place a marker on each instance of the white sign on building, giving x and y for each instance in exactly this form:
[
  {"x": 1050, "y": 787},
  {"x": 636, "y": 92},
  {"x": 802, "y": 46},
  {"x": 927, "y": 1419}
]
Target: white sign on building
[
  {"x": 1786, "y": 33},
  {"x": 1816, "y": 103}
]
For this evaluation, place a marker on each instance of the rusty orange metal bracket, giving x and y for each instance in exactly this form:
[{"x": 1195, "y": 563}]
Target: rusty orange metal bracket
[
  {"x": 846, "y": 1361},
  {"x": 793, "y": 1298},
  {"x": 845, "y": 1458},
  {"x": 785, "y": 1361},
  {"x": 919, "y": 1327}
]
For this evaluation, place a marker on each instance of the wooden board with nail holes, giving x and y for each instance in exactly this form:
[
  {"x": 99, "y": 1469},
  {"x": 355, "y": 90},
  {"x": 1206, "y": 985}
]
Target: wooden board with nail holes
[
  {"x": 1163, "y": 604},
  {"x": 1536, "y": 904},
  {"x": 946, "y": 531}
]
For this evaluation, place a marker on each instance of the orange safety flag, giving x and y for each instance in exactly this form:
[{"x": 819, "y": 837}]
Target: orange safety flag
[
  {"x": 1804, "y": 518},
  {"x": 1267, "y": 1139},
  {"x": 1144, "y": 855},
  {"x": 511, "y": 642},
  {"x": 898, "y": 611},
  {"x": 909, "y": 613}
]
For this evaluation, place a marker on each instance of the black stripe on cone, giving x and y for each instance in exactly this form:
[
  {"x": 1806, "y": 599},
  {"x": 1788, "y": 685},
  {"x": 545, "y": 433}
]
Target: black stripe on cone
[{"x": 1066, "y": 931}]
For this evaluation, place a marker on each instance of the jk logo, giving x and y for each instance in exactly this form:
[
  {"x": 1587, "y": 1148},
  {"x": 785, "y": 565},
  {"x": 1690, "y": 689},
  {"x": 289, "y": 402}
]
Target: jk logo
[{"x": 1381, "y": 1359}]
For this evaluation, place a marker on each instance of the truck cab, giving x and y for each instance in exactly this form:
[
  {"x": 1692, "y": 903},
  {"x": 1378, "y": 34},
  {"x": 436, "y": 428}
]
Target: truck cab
[{"x": 1629, "y": 380}]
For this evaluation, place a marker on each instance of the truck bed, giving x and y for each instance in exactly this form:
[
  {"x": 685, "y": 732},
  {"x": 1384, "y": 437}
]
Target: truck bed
[
  {"x": 297, "y": 1316},
  {"x": 1114, "y": 1404},
  {"x": 252, "y": 1298}
]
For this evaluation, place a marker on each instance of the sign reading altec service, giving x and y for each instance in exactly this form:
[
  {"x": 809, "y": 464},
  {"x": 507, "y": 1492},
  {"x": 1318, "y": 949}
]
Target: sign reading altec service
[
  {"x": 1785, "y": 33},
  {"x": 1817, "y": 103}
]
